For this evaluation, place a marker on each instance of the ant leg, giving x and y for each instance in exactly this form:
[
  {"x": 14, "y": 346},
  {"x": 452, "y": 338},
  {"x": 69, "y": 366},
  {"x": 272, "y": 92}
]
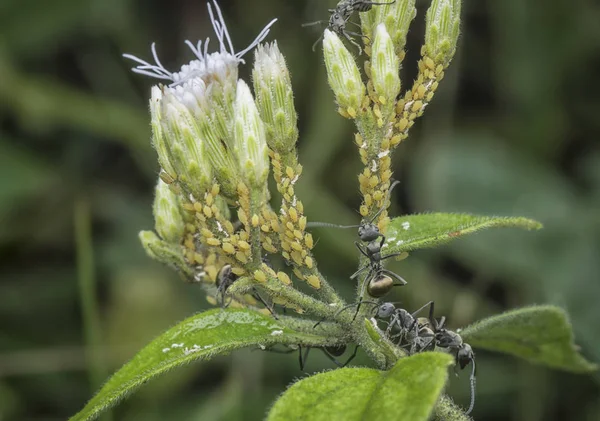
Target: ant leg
[
  {"x": 362, "y": 292},
  {"x": 387, "y": 256},
  {"x": 473, "y": 384},
  {"x": 421, "y": 309},
  {"x": 302, "y": 359},
  {"x": 314, "y": 47},
  {"x": 395, "y": 276},
  {"x": 349, "y": 38},
  {"x": 351, "y": 356},
  {"x": 359, "y": 271},
  {"x": 259, "y": 298},
  {"x": 360, "y": 248}
]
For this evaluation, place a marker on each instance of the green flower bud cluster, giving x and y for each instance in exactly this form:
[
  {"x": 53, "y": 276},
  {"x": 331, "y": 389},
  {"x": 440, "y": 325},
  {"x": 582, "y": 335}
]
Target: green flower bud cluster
[
  {"x": 396, "y": 17},
  {"x": 275, "y": 98},
  {"x": 441, "y": 30}
]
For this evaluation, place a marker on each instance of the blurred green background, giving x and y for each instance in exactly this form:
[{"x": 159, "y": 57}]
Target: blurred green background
[{"x": 513, "y": 130}]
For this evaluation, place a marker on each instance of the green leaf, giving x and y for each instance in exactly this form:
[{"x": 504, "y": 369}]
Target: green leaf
[
  {"x": 419, "y": 231},
  {"x": 409, "y": 391},
  {"x": 540, "y": 334},
  {"x": 200, "y": 337}
]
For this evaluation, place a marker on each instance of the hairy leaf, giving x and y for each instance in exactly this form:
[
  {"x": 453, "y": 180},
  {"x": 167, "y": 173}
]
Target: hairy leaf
[
  {"x": 200, "y": 337},
  {"x": 419, "y": 231},
  {"x": 409, "y": 391},
  {"x": 540, "y": 334}
]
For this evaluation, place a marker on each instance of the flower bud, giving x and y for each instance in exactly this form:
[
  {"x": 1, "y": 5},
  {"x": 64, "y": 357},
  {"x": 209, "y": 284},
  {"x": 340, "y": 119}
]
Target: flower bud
[
  {"x": 168, "y": 219},
  {"x": 158, "y": 138},
  {"x": 275, "y": 98},
  {"x": 396, "y": 16},
  {"x": 163, "y": 252},
  {"x": 250, "y": 143},
  {"x": 441, "y": 30},
  {"x": 343, "y": 75},
  {"x": 385, "y": 67}
]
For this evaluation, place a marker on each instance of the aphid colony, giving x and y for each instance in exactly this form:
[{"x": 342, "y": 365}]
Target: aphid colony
[{"x": 405, "y": 329}]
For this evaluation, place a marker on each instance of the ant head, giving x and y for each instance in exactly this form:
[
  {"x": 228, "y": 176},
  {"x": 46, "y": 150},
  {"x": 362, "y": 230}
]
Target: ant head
[
  {"x": 368, "y": 231},
  {"x": 385, "y": 310},
  {"x": 465, "y": 355}
]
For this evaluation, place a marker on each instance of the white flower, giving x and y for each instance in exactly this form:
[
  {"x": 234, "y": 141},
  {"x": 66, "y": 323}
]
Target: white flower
[{"x": 198, "y": 73}]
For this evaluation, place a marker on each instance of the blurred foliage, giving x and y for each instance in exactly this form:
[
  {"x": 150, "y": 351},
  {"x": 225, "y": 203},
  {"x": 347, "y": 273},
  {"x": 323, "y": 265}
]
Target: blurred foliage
[{"x": 513, "y": 130}]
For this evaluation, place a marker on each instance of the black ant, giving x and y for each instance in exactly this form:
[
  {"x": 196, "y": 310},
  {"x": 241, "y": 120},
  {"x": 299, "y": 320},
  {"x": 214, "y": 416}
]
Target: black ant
[
  {"x": 452, "y": 342},
  {"x": 379, "y": 281},
  {"x": 225, "y": 279},
  {"x": 340, "y": 16},
  {"x": 330, "y": 352}
]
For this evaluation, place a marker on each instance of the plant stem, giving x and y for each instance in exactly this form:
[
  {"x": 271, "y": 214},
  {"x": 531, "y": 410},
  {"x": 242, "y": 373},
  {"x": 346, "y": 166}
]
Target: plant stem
[{"x": 87, "y": 293}]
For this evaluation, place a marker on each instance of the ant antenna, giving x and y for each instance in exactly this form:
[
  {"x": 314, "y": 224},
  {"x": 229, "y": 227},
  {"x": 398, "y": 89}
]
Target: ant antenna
[
  {"x": 473, "y": 382},
  {"x": 329, "y": 225}
]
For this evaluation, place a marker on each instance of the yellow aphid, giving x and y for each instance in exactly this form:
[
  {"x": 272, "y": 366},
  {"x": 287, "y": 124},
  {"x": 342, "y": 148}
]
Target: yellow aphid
[
  {"x": 293, "y": 215},
  {"x": 260, "y": 276},
  {"x": 302, "y": 223},
  {"x": 265, "y": 228},
  {"x": 275, "y": 225},
  {"x": 286, "y": 182},
  {"x": 417, "y": 105},
  {"x": 206, "y": 233},
  {"x": 211, "y": 300},
  {"x": 313, "y": 281},
  {"x": 241, "y": 257},
  {"x": 377, "y": 112},
  {"x": 207, "y": 211},
  {"x": 213, "y": 242},
  {"x": 209, "y": 199},
  {"x": 298, "y": 234},
  {"x": 373, "y": 181},
  {"x": 269, "y": 247},
  {"x": 411, "y": 116},
  {"x": 212, "y": 272},
  {"x": 228, "y": 248},
  {"x": 358, "y": 139},
  {"x": 198, "y": 206},
  {"x": 368, "y": 200},
  {"x": 385, "y": 144},
  {"x": 300, "y": 206},
  {"x": 228, "y": 226},
  {"x": 289, "y": 171},
  {"x": 211, "y": 259},
  {"x": 189, "y": 244},
  {"x": 429, "y": 96},
  {"x": 308, "y": 240},
  {"x": 242, "y": 217},
  {"x": 364, "y": 211},
  {"x": 296, "y": 257},
  {"x": 243, "y": 245},
  {"x": 421, "y": 91},
  {"x": 351, "y": 112},
  {"x": 382, "y": 100},
  {"x": 250, "y": 300},
  {"x": 429, "y": 63},
  {"x": 238, "y": 270},
  {"x": 286, "y": 255},
  {"x": 296, "y": 246},
  {"x": 308, "y": 261},
  {"x": 284, "y": 278},
  {"x": 215, "y": 190},
  {"x": 255, "y": 220},
  {"x": 402, "y": 124},
  {"x": 298, "y": 274},
  {"x": 198, "y": 258},
  {"x": 286, "y": 245}
]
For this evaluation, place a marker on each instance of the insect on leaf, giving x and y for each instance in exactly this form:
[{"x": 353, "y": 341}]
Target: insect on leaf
[
  {"x": 409, "y": 391},
  {"x": 540, "y": 334},
  {"x": 199, "y": 337}
]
